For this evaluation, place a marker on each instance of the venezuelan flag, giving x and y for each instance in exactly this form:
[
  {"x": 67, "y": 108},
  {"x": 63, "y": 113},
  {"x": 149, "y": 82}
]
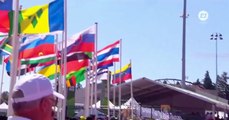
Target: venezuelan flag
[
  {"x": 42, "y": 19},
  {"x": 122, "y": 75}
]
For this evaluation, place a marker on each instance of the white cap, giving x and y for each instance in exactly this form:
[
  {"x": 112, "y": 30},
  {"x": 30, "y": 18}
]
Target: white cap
[{"x": 34, "y": 87}]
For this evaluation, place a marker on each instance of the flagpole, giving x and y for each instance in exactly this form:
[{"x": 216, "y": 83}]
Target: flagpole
[
  {"x": 96, "y": 43},
  {"x": 114, "y": 91},
  {"x": 108, "y": 94},
  {"x": 131, "y": 94},
  {"x": 120, "y": 80},
  {"x": 56, "y": 52},
  {"x": 3, "y": 66},
  {"x": 86, "y": 106},
  {"x": 65, "y": 60},
  {"x": 90, "y": 89},
  {"x": 59, "y": 105},
  {"x": 15, "y": 41},
  {"x": 56, "y": 77}
]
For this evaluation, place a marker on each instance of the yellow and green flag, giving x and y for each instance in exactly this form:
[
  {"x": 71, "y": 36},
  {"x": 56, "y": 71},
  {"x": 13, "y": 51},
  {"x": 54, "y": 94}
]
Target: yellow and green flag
[
  {"x": 50, "y": 71},
  {"x": 41, "y": 19}
]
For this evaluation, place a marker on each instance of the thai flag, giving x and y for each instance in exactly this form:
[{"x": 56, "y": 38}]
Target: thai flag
[
  {"x": 108, "y": 55},
  {"x": 102, "y": 74}
]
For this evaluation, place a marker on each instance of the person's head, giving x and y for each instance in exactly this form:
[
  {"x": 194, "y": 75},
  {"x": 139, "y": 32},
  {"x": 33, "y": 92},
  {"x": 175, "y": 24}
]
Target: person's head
[
  {"x": 92, "y": 116},
  {"x": 89, "y": 118},
  {"x": 33, "y": 97}
]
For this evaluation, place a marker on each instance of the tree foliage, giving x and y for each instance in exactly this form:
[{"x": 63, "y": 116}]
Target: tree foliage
[
  {"x": 222, "y": 86},
  {"x": 208, "y": 82}
]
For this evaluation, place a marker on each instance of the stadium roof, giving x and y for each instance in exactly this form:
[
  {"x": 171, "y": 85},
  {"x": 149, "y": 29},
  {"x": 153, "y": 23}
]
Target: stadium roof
[{"x": 150, "y": 93}]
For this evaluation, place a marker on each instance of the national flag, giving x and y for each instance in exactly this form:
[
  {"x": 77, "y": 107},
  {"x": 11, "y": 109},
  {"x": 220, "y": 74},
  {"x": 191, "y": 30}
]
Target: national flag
[
  {"x": 42, "y": 19},
  {"x": 75, "y": 65},
  {"x": 5, "y": 22},
  {"x": 3, "y": 41},
  {"x": 125, "y": 74},
  {"x": 6, "y": 5},
  {"x": 39, "y": 59},
  {"x": 22, "y": 69},
  {"x": 83, "y": 41},
  {"x": 108, "y": 55},
  {"x": 102, "y": 74},
  {"x": 76, "y": 56},
  {"x": 7, "y": 49},
  {"x": 50, "y": 71},
  {"x": 75, "y": 77},
  {"x": 5, "y": 8},
  {"x": 71, "y": 82},
  {"x": 39, "y": 47}
]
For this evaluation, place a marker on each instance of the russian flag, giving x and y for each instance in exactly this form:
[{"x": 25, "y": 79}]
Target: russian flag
[
  {"x": 83, "y": 41},
  {"x": 108, "y": 55}
]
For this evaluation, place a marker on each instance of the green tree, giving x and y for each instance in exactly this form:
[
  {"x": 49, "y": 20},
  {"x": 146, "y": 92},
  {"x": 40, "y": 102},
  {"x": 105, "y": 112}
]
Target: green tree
[
  {"x": 197, "y": 82},
  {"x": 208, "y": 82},
  {"x": 222, "y": 86}
]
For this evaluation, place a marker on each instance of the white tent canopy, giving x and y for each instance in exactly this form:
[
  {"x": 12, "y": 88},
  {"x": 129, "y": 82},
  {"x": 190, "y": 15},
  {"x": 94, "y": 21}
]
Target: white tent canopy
[
  {"x": 98, "y": 104},
  {"x": 3, "y": 107},
  {"x": 131, "y": 101},
  {"x": 111, "y": 105}
]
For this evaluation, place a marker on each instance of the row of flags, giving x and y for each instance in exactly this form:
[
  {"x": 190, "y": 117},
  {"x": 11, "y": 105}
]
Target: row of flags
[{"x": 43, "y": 51}]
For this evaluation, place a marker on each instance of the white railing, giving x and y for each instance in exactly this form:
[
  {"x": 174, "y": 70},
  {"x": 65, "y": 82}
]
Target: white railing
[{"x": 158, "y": 115}]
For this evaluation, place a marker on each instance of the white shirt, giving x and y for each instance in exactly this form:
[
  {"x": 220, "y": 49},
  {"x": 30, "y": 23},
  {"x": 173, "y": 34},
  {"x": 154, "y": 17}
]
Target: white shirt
[{"x": 17, "y": 118}]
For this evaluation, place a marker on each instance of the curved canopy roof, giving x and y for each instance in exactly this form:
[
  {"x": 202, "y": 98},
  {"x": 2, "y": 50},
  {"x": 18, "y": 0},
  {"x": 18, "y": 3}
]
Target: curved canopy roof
[{"x": 150, "y": 93}]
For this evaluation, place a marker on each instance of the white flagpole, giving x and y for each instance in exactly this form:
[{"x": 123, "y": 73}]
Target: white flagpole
[
  {"x": 13, "y": 68},
  {"x": 131, "y": 94},
  {"x": 3, "y": 69},
  {"x": 65, "y": 60},
  {"x": 114, "y": 91},
  {"x": 87, "y": 94},
  {"x": 91, "y": 88},
  {"x": 59, "y": 105},
  {"x": 120, "y": 80},
  {"x": 96, "y": 43},
  {"x": 56, "y": 59},
  {"x": 108, "y": 94},
  {"x": 55, "y": 76}
]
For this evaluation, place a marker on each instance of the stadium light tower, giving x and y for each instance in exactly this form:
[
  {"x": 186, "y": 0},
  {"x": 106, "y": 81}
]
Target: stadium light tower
[{"x": 216, "y": 37}]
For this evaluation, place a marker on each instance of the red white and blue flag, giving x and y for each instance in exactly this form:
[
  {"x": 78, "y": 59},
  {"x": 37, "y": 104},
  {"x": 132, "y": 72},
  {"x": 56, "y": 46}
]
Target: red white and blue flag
[
  {"x": 83, "y": 41},
  {"x": 108, "y": 55}
]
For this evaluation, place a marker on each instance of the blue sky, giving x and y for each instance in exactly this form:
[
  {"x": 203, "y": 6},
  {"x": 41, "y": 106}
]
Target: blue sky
[{"x": 151, "y": 33}]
